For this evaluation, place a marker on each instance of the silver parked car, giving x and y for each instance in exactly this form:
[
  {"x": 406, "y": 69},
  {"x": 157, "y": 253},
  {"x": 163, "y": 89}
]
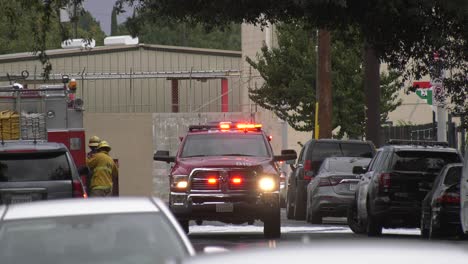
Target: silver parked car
[
  {"x": 332, "y": 190},
  {"x": 110, "y": 230}
]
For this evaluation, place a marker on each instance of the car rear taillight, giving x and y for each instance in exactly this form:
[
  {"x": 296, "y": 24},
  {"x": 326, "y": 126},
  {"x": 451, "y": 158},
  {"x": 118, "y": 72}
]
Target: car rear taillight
[
  {"x": 331, "y": 181},
  {"x": 78, "y": 190},
  {"x": 324, "y": 182},
  {"x": 308, "y": 170},
  {"x": 449, "y": 198},
  {"x": 385, "y": 181}
]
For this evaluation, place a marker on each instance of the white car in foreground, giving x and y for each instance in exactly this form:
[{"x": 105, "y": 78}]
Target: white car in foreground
[{"x": 101, "y": 231}]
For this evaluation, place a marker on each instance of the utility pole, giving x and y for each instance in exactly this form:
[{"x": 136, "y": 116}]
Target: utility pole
[
  {"x": 438, "y": 94},
  {"x": 324, "y": 105},
  {"x": 372, "y": 92}
]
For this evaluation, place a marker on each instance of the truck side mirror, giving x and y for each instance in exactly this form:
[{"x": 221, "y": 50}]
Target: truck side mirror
[
  {"x": 163, "y": 155},
  {"x": 359, "y": 170},
  {"x": 288, "y": 155}
]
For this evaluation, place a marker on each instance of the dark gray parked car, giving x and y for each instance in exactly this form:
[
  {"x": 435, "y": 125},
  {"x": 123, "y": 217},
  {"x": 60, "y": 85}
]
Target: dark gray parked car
[
  {"x": 332, "y": 190},
  {"x": 31, "y": 171},
  {"x": 441, "y": 208}
]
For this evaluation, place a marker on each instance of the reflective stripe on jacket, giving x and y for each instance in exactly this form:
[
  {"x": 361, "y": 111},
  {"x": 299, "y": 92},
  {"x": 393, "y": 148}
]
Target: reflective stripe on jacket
[{"x": 102, "y": 165}]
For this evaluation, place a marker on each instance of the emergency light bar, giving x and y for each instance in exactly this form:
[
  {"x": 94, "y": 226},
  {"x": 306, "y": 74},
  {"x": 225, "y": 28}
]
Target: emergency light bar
[
  {"x": 239, "y": 126},
  {"x": 224, "y": 126}
]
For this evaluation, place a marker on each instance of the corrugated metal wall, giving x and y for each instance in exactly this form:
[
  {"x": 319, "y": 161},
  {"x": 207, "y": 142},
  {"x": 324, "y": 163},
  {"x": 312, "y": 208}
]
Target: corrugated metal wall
[{"x": 142, "y": 95}]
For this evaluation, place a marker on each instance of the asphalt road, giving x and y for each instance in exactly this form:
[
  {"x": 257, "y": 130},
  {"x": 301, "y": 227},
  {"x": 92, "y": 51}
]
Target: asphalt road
[{"x": 235, "y": 237}]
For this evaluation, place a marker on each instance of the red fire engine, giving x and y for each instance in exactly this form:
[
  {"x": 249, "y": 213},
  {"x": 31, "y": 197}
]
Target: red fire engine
[{"x": 47, "y": 112}]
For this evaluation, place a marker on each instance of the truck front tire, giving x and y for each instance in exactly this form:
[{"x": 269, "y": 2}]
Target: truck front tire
[
  {"x": 272, "y": 223},
  {"x": 300, "y": 205}
]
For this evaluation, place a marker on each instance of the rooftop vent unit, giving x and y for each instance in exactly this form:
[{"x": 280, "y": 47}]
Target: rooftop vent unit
[
  {"x": 78, "y": 43},
  {"x": 120, "y": 40}
]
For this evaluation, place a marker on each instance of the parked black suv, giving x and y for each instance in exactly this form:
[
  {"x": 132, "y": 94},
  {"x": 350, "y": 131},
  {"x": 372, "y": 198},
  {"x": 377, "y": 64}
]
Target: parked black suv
[
  {"x": 311, "y": 157},
  {"x": 31, "y": 171},
  {"x": 391, "y": 190}
]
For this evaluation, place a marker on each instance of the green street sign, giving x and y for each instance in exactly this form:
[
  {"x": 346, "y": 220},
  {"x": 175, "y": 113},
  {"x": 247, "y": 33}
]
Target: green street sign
[{"x": 425, "y": 94}]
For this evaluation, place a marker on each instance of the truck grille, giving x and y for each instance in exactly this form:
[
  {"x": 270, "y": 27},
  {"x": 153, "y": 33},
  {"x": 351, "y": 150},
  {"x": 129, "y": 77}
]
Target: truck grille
[
  {"x": 223, "y": 180},
  {"x": 206, "y": 181},
  {"x": 240, "y": 181}
]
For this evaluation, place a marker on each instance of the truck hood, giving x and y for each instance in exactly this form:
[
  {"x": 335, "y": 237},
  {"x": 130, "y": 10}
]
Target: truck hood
[{"x": 261, "y": 164}]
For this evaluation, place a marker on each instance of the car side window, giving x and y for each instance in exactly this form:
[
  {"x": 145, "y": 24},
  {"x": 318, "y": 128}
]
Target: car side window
[
  {"x": 374, "y": 161},
  {"x": 379, "y": 166},
  {"x": 453, "y": 176},
  {"x": 301, "y": 156}
]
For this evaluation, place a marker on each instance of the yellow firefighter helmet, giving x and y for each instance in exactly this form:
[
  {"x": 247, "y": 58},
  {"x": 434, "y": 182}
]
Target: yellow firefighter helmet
[
  {"x": 104, "y": 144},
  {"x": 94, "y": 141}
]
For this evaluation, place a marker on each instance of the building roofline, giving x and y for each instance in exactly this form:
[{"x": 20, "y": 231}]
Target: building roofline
[{"x": 58, "y": 53}]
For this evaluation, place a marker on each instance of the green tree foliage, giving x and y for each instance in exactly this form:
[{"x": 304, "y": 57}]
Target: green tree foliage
[
  {"x": 90, "y": 28},
  {"x": 163, "y": 31},
  {"x": 34, "y": 25},
  {"x": 404, "y": 33},
  {"x": 289, "y": 71}
]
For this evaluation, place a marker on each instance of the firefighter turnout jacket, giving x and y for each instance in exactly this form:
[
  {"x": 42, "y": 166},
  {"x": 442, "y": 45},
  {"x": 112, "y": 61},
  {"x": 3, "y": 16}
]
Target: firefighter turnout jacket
[{"x": 103, "y": 168}]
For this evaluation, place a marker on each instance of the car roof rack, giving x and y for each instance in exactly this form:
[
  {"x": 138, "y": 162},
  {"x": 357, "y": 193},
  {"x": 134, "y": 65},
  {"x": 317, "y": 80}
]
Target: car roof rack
[{"x": 426, "y": 143}]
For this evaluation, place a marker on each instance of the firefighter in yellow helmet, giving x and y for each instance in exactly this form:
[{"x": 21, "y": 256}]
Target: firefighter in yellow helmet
[
  {"x": 103, "y": 167},
  {"x": 93, "y": 144}
]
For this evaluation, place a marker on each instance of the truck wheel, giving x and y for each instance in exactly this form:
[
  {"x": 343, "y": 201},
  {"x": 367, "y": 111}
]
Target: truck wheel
[
  {"x": 434, "y": 232},
  {"x": 373, "y": 227},
  {"x": 185, "y": 225},
  {"x": 353, "y": 221},
  {"x": 272, "y": 223},
  {"x": 299, "y": 206},
  {"x": 289, "y": 207},
  {"x": 424, "y": 230},
  {"x": 315, "y": 218},
  {"x": 308, "y": 212}
]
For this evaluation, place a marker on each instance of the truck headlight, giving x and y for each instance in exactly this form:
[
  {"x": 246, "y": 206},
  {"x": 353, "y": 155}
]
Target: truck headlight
[
  {"x": 182, "y": 185},
  {"x": 179, "y": 183},
  {"x": 267, "y": 184}
]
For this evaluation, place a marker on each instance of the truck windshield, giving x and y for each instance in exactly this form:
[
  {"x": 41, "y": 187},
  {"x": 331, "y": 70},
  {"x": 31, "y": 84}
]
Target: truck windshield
[
  {"x": 225, "y": 145},
  {"x": 34, "y": 166}
]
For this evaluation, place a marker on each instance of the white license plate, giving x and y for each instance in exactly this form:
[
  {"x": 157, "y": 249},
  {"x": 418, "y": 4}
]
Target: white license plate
[
  {"x": 21, "y": 199},
  {"x": 352, "y": 187},
  {"x": 225, "y": 208}
]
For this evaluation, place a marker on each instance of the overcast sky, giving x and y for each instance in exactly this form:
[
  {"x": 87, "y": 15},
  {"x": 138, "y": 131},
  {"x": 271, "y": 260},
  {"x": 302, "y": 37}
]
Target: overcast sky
[{"x": 102, "y": 10}]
